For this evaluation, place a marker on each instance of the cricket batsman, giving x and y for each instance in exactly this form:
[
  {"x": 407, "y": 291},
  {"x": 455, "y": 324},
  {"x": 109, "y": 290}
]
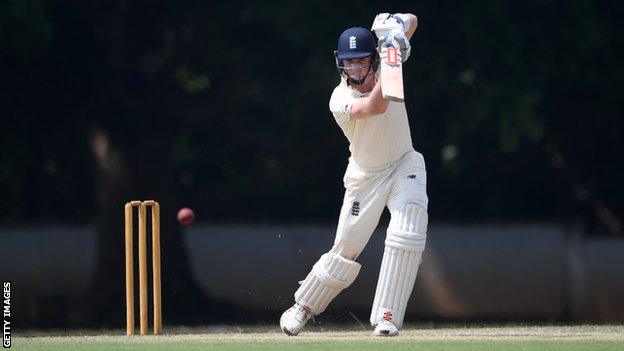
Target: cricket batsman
[{"x": 384, "y": 170}]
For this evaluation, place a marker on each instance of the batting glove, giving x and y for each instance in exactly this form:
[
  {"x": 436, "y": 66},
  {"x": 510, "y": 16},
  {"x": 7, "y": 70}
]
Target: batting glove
[
  {"x": 397, "y": 39},
  {"x": 384, "y": 23}
]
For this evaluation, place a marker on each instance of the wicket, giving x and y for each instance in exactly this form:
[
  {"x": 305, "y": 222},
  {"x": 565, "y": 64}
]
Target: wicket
[{"x": 156, "y": 291}]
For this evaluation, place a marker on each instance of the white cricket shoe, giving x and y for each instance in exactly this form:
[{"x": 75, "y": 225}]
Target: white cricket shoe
[
  {"x": 386, "y": 328},
  {"x": 294, "y": 319}
]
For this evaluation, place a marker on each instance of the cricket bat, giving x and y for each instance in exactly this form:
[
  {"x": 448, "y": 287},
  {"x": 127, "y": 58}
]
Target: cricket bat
[{"x": 391, "y": 75}]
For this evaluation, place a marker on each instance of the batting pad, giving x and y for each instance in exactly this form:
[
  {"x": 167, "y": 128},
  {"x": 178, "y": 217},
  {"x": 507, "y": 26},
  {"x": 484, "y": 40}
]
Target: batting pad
[
  {"x": 405, "y": 242},
  {"x": 329, "y": 276}
]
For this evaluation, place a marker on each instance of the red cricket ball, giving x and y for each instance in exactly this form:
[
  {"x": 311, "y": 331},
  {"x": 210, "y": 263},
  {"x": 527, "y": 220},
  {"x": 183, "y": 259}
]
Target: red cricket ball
[{"x": 186, "y": 216}]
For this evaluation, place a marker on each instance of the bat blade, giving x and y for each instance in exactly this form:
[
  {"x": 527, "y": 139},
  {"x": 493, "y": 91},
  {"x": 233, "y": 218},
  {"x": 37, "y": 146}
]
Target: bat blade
[{"x": 391, "y": 74}]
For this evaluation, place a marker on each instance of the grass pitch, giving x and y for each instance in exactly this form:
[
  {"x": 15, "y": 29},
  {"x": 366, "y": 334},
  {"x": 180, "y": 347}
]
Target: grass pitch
[{"x": 339, "y": 338}]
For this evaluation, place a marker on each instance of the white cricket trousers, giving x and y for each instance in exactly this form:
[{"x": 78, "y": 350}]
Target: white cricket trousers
[{"x": 369, "y": 190}]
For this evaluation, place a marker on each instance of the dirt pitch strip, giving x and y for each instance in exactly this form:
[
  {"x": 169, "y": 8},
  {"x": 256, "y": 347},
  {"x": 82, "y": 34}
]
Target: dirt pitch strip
[{"x": 339, "y": 338}]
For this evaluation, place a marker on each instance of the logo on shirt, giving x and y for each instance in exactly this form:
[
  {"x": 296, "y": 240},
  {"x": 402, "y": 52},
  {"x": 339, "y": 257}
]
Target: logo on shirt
[
  {"x": 412, "y": 176},
  {"x": 355, "y": 208},
  {"x": 352, "y": 43}
]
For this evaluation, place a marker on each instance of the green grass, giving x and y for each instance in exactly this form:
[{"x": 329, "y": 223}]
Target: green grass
[{"x": 338, "y": 338}]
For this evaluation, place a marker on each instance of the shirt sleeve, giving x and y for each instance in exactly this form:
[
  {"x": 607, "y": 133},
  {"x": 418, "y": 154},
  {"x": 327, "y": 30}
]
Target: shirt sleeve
[{"x": 340, "y": 106}]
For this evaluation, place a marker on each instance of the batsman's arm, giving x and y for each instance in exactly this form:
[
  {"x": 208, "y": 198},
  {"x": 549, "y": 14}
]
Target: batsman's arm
[{"x": 369, "y": 106}]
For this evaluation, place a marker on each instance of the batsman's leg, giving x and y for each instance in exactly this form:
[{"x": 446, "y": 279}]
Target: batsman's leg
[
  {"x": 405, "y": 242},
  {"x": 329, "y": 276},
  {"x": 364, "y": 200},
  {"x": 337, "y": 269}
]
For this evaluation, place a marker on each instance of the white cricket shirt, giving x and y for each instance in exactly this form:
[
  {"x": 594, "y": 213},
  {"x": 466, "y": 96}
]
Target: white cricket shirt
[{"x": 374, "y": 141}]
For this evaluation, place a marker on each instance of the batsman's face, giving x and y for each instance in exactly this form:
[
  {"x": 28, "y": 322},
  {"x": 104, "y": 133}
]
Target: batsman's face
[{"x": 357, "y": 68}]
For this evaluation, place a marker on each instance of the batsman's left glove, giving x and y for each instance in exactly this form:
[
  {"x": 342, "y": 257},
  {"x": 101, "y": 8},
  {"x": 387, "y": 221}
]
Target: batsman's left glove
[{"x": 397, "y": 39}]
